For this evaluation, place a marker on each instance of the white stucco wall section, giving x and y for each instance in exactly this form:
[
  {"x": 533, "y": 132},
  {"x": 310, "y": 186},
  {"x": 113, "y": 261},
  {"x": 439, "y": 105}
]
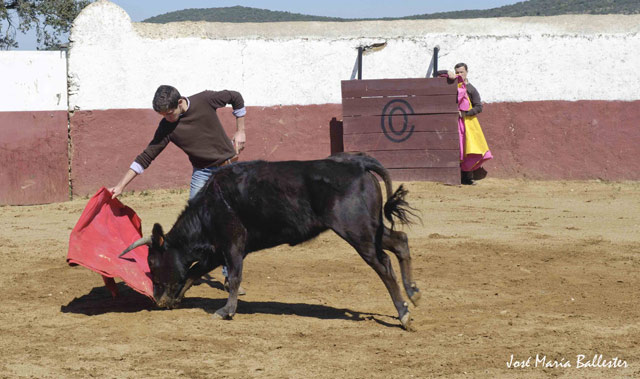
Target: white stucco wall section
[
  {"x": 115, "y": 63},
  {"x": 33, "y": 81}
]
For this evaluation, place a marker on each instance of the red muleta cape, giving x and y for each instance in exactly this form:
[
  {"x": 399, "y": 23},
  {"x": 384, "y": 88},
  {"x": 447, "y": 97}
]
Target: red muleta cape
[{"x": 105, "y": 228}]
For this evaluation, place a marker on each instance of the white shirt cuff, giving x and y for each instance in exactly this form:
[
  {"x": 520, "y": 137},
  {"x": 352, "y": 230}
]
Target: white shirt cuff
[
  {"x": 135, "y": 166},
  {"x": 240, "y": 112}
]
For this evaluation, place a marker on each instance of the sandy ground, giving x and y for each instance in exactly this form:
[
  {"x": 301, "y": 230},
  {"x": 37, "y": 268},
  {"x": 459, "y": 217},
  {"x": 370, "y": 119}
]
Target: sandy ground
[{"x": 506, "y": 267}]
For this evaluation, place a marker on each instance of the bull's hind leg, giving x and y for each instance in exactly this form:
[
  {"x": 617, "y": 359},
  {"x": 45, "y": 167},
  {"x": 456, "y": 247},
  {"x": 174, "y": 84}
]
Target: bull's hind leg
[
  {"x": 357, "y": 218},
  {"x": 365, "y": 243},
  {"x": 396, "y": 242},
  {"x": 380, "y": 262}
]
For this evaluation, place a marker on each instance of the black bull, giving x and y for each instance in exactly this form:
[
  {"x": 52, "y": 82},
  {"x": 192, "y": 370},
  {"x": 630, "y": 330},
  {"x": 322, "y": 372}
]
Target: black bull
[{"x": 256, "y": 205}]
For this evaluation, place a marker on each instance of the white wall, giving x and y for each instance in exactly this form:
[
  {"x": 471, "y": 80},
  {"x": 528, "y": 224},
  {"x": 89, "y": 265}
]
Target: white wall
[
  {"x": 33, "y": 81},
  {"x": 115, "y": 63}
]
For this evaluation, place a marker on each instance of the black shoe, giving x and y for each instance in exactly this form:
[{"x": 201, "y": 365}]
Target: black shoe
[{"x": 467, "y": 178}]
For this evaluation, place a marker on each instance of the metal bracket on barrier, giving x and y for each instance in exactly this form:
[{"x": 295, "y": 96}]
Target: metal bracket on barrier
[
  {"x": 433, "y": 65},
  {"x": 367, "y": 49}
]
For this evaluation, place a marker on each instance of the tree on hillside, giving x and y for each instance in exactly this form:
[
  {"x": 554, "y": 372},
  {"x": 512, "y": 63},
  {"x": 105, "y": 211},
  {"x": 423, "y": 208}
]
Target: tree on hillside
[{"x": 49, "y": 18}]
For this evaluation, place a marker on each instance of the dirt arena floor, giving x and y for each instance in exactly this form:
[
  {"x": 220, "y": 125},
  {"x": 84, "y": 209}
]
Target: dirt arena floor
[{"x": 509, "y": 270}]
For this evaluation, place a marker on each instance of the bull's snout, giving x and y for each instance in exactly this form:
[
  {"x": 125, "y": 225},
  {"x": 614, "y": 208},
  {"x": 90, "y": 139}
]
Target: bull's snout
[{"x": 166, "y": 302}]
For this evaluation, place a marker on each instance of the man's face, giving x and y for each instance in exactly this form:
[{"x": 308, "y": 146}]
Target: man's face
[
  {"x": 173, "y": 115},
  {"x": 462, "y": 72}
]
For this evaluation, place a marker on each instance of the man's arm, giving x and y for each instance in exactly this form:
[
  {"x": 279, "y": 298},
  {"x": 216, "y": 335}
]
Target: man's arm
[
  {"x": 239, "y": 138},
  {"x": 451, "y": 75},
  {"x": 222, "y": 98},
  {"x": 158, "y": 143},
  {"x": 126, "y": 179}
]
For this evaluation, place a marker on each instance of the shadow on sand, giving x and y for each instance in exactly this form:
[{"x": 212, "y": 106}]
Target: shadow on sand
[{"x": 99, "y": 301}]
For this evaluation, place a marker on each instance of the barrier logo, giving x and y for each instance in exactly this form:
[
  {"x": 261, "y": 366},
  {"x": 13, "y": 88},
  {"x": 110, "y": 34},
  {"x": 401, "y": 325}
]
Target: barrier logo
[{"x": 397, "y": 133}]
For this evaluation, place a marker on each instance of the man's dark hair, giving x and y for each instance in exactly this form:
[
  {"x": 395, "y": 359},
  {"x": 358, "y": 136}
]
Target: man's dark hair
[
  {"x": 166, "y": 99},
  {"x": 462, "y": 65}
]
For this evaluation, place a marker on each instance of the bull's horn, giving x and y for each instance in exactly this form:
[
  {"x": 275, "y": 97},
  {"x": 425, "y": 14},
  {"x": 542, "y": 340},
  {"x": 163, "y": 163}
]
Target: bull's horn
[{"x": 140, "y": 242}]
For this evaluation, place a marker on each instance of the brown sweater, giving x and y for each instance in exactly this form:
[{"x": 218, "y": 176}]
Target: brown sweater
[{"x": 197, "y": 132}]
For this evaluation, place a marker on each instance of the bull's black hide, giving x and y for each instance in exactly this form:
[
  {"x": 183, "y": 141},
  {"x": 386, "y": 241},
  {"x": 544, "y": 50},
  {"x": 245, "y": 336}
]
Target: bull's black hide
[{"x": 255, "y": 205}]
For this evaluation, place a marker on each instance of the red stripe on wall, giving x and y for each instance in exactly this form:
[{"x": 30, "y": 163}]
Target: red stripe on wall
[
  {"x": 106, "y": 142},
  {"x": 535, "y": 140},
  {"x": 554, "y": 140},
  {"x": 33, "y": 157}
]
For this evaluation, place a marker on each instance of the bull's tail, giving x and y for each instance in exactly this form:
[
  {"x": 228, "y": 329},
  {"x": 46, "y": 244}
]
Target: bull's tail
[{"x": 396, "y": 205}]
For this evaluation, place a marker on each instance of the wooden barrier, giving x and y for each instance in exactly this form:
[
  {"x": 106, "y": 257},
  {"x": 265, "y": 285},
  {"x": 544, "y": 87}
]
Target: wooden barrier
[{"x": 409, "y": 125}]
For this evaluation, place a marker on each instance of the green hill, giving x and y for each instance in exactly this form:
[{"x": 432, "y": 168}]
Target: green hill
[
  {"x": 544, "y": 8},
  {"x": 523, "y": 8},
  {"x": 236, "y": 14}
]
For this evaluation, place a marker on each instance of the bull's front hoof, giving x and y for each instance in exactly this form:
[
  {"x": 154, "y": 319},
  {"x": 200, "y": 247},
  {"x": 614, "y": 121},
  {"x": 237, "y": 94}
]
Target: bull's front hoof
[
  {"x": 406, "y": 322},
  {"x": 221, "y": 314}
]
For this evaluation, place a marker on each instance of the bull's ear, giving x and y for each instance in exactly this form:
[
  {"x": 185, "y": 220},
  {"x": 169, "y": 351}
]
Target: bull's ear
[{"x": 157, "y": 235}]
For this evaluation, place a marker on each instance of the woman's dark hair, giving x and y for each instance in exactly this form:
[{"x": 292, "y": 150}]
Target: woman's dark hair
[
  {"x": 462, "y": 65},
  {"x": 165, "y": 99}
]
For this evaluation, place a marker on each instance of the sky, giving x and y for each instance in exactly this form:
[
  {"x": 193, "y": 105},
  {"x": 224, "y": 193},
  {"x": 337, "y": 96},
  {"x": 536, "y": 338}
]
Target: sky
[{"x": 139, "y": 10}]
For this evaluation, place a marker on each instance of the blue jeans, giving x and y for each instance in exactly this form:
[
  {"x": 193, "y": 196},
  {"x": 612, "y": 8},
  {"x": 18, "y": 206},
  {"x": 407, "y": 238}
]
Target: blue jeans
[{"x": 198, "y": 180}]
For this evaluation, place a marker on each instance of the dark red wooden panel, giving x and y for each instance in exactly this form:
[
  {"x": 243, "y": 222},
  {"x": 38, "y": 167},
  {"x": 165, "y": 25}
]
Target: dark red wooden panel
[
  {"x": 435, "y": 122},
  {"x": 447, "y": 175},
  {"x": 409, "y": 125},
  {"x": 395, "y": 87},
  {"x": 417, "y": 158},
  {"x": 416, "y": 141},
  {"x": 376, "y": 106}
]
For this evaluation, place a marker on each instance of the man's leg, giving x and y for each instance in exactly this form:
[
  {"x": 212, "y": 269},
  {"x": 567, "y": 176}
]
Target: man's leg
[{"x": 199, "y": 178}]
